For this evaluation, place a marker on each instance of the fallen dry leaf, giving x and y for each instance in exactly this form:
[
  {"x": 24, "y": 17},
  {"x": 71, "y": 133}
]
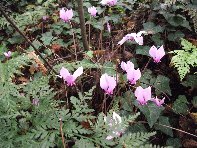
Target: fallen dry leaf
[{"x": 39, "y": 63}]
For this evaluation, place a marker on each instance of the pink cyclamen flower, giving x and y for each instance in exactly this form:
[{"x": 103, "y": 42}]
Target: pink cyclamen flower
[
  {"x": 143, "y": 95},
  {"x": 67, "y": 15},
  {"x": 70, "y": 79},
  {"x": 157, "y": 54},
  {"x": 7, "y": 54},
  {"x": 92, "y": 11},
  {"x": 107, "y": 83},
  {"x": 108, "y": 27},
  {"x": 109, "y": 2},
  {"x": 133, "y": 75},
  {"x": 157, "y": 101},
  {"x": 126, "y": 66},
  {"x": 133, "y": 36}
]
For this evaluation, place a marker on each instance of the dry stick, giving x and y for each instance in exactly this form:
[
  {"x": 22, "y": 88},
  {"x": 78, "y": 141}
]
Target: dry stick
[
  {"x": 176, "y": 129},
  {"x": 62, "y": 134},
  {"x": 82, "y": 24},
  {"x": 22, "y": 34}
]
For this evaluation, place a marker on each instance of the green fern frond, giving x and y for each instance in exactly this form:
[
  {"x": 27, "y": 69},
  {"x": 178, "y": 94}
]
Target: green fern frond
[
  {"x": 185, "y": 58},
  {"x": 136, "y": 139},
  {"x": 13, "y": 66}
]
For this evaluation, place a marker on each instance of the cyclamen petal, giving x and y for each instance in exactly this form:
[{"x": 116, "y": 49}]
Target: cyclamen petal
[
  {"x": 64, "y": 73},
  {"x": 143, "y": 95},
  {"x": 157, "y": 54},
  {"x": 78, "y": 72},
  {"x": 133, "y": 36},
  {"x": 126, "y": 66},
  {"x": 108, "y": 27},
  {"x": 92, "y": 11},
  {"x": 157, "y": 101},
  {"x": 109, "y": 2},
  {"x": 117, "y": 118},
  {"x": 107, "y": 83},
  {"x": 70, "y": 79},
  {"x": 133, "y": 75},
  {"x": 66, "y": 15},
  {"x": 7, "y": 54}
]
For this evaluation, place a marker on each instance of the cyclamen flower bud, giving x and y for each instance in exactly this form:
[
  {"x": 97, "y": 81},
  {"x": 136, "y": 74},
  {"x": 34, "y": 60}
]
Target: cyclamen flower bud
[{"x": 157, "y": 101}]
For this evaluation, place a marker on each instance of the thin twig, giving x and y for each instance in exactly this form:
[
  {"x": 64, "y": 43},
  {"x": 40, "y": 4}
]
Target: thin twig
[
  {"x": 23, "y": 35},
  {"x": 176, "y": 129}
]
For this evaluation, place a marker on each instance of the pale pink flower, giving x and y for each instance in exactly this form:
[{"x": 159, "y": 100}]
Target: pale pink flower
[
  {"x": 70, "y": 79},
  {"x": 109, "y": 2},
  {"x": 133, "y": 75},
  {"x": 107, "y": 83},
  {"x": 133, "y": 36},
  {"x": 7, "y": 54},
  {"x": 143, "y": 95},
  {"x": 114, "y": 124},
  {"x": 45, "y": 18},
  {"x": 126, "y": 66},
  {"x": 108, "y": 27},
  {"x": 67, "y": 15},
  {"x": 35, "y": 102},
  {"x": 157, "y": 54},
  {"x": 92, "y": 11},
  {"x": 157, "y": 101}
]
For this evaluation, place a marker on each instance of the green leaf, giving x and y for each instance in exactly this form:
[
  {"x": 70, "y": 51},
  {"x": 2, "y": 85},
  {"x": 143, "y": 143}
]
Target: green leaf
[
  {"x": 89, "y": 54},
  {"x": 175, "y": 142},
  {"x": 175, "y": 36},
  {"x": 143, "y": 50},
  {"x": 147, "y": 78},
  {"x": 194, "y": 101},
  {"x": 164, "y": 121},
  {"x": 151, "y": 27},
  {"x": 191, "y": 81},
  {"x": 109, "y": 68},
  {"x": 47, "y": 38},
  {"x": 151, "y": 112},
  {"x": 180, "y": 105},
  {"x": 157, "y": 39},
  {"x": 162, "y": 84}
]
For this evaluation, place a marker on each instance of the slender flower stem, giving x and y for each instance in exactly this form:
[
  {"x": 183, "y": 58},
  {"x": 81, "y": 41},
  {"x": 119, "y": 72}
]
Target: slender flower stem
[
  {"x": 146, "y": 65},
  {"x": 62, "y": 134},
  {"x": 104, "y": 104},
  {"x": 74, "y": 41},
  {"x": 89, "y": 32}
]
